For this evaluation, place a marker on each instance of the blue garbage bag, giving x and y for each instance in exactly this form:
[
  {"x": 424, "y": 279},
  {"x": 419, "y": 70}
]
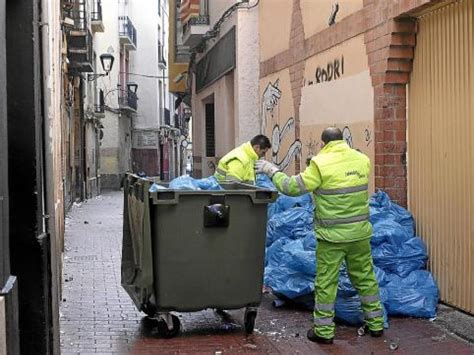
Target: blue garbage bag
[
  {"x": 186, "y": 182},
  {"x": 348, "y": 310},
  {"x": 348, "y": 307},
  {"x": 289, "y": 224},
  {"x": 288, "y": 282},
  {"x": 415, "y": 295},
  {"x": 389, "y": 231},
  {"x": 284, "y": 202},
  {"x": 265, "y": 182},
  {"x": 291, "y": 266},
  {"x": 382, "y": 209},
  {"x": 401, "y": 259},
  {"x": 155, "y": 187}
]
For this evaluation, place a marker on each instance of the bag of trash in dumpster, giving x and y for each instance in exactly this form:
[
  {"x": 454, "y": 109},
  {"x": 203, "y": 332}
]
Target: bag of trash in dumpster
[
  {"x": 264, "y": 181},
  {"x": 186, "y": 182},
  {"x": 415, "y": 295},
  {"x": 155, "y": 187}
]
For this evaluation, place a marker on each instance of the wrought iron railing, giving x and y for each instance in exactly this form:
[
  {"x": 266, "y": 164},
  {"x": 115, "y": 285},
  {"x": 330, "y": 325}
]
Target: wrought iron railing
[
  {"x": 128, "y": 99},
  {"x": 126, "y": 29},
  {"x": 195, "y": 20},
  {"x": 96, "y": 13},
  {"x": 79, "y": 15}
]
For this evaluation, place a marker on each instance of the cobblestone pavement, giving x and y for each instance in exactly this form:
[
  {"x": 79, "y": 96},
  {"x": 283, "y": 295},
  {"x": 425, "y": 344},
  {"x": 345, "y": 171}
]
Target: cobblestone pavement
[{"x": 97, "y": 316}]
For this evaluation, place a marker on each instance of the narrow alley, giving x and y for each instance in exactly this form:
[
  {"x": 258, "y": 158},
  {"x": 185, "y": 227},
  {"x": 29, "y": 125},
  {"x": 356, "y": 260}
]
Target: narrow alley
[{"x": 97, "y": 316}]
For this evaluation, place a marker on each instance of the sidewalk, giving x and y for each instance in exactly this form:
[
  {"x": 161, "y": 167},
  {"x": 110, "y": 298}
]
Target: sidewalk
[{"x": 97, "y": 316}]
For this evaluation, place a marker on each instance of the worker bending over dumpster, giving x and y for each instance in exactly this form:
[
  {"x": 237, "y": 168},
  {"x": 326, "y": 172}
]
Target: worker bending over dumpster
[
  {"x": 338, "y": 176},
  {"x": 238, "y": 164}
]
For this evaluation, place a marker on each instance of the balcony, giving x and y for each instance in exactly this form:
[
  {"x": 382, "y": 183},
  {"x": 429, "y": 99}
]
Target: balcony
[
  {"x": 80, "y": 43},
  {"x": 96, "y": 16},
  {"x": 161, "y": 58},
  {"x": 127, "y": 33},
  {"x": 128, "y": 101},
  {"x": 194, "y": 29}
]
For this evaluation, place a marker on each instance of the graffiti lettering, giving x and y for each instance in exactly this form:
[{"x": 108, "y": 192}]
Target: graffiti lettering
[{"x": 332, "y": 71}]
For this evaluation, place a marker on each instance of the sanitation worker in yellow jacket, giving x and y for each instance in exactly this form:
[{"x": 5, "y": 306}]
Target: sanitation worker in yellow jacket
[
  {"x": 238, "y": 164},
  {"x": 338, "y": 177}
]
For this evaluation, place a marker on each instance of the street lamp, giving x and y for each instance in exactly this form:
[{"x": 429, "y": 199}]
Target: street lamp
[{"x": 107, "y": 62}]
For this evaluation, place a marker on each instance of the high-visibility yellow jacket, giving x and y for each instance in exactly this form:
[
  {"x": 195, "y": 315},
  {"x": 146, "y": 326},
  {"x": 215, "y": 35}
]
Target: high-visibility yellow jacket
[
  {"x": 339, "y": 177},
  {"x": 238, "y": 165}
]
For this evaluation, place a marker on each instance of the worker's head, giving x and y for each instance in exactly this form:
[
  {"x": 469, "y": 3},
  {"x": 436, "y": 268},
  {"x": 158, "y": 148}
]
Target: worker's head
[
  {"x": 260, "y": 144},
  {"x": 331, "y": 134}
]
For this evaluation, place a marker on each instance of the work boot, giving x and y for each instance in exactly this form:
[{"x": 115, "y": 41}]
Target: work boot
[
  {"x": 376, "y": 333},
  {"x": 317, "y": 339},
  {"x": 373, "y": 333}
]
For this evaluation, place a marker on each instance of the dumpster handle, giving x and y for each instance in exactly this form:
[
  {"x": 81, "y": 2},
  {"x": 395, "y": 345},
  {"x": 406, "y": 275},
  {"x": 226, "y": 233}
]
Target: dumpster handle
[
  {"x": 165, "y": 197},
  {"x": 263, "y": 196}
]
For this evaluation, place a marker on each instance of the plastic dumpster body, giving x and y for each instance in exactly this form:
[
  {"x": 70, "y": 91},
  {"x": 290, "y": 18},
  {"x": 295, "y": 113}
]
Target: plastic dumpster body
[{"x": 189, "y": 250}]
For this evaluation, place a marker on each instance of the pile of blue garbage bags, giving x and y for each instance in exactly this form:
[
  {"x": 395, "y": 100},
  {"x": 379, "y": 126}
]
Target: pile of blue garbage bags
[{"x": 400, "y": 256}]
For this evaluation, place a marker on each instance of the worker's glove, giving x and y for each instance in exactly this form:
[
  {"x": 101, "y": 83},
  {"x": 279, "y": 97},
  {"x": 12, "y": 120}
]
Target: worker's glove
[{"x": 265, "y": 167}]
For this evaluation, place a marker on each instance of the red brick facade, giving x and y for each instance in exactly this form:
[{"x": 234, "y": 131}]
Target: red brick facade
[{"x": 389, "y": 34}]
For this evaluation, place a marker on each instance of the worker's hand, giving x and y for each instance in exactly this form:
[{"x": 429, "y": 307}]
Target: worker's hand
[{"x": 265, "y": 167}]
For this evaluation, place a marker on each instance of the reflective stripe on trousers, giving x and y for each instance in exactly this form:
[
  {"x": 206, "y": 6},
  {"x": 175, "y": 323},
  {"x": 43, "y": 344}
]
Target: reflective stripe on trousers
[{"x": 318, "y": 322}]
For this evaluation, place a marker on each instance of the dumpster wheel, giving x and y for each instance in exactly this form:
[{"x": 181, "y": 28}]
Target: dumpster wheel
[
  {"x": 167, "y": 333},
  {"x": 249, "y": 320}
]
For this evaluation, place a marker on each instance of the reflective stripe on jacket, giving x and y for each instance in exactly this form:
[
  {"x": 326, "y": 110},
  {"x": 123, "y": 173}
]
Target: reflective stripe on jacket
[
  {"x": 339, "y": 177},
  {"x": 238, "y": 165}
]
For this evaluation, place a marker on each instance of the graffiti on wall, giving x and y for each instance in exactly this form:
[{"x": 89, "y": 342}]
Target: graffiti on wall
[
  {"x": 277, "y": 137},
  {"x": 333, "y": 70},
  {"x": 270, "y": 100},
  {"x": 271, "y": 96},
  {"x": 355, "y": 138}
]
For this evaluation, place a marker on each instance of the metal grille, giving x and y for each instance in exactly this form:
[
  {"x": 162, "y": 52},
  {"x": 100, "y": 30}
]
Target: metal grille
[{"x": 440, "y": 147}]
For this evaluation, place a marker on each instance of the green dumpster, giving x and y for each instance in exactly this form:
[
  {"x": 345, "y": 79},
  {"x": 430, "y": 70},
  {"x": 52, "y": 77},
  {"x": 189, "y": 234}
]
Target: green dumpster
[{"x": 187, "y": 250}]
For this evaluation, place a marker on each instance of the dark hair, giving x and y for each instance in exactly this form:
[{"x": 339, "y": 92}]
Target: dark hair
[
  {"x": 331, "y": 134},
  {"x": 262, "y": 141}
]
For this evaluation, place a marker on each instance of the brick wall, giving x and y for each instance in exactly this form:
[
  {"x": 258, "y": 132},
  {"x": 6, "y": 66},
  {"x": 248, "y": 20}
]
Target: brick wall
[
  {"x": 390, "y": 48},
  {"x": 389, "y": 30}
]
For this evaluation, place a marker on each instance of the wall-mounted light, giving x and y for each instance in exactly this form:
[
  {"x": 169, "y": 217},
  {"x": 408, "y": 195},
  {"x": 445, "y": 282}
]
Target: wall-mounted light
[{"x": 107, "y": 62}]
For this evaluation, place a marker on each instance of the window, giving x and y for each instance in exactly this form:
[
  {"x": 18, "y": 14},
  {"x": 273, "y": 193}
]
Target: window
[{"x": 210, "y": 131}]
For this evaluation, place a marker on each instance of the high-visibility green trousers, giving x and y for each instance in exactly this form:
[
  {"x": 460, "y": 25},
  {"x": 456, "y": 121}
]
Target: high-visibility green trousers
[{"x": 360, "y": 268}]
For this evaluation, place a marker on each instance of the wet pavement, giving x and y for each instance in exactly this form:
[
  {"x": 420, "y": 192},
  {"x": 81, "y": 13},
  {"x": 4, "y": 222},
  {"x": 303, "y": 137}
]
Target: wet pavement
[{"x": 98, "y": 317}]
